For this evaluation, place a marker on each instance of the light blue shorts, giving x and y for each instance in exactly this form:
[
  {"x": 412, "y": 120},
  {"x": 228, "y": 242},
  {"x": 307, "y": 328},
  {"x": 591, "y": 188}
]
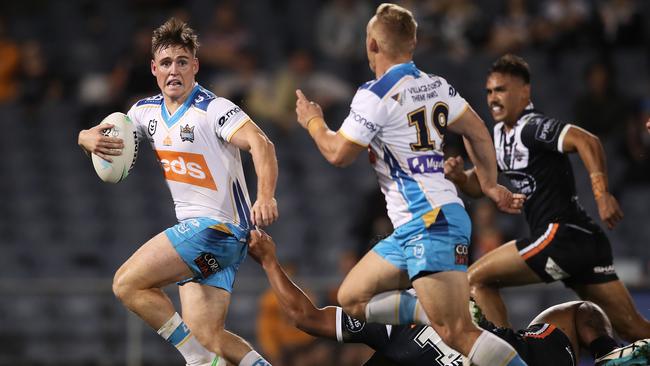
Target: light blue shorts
[
  {"x": 435, "y": 242},
  {"x": 213, "y": 250}
]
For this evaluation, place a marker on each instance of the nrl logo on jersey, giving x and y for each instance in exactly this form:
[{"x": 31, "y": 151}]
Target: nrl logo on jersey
[
  {"x": 187, "y": 133},
  {"x": 152, "y": 127}
]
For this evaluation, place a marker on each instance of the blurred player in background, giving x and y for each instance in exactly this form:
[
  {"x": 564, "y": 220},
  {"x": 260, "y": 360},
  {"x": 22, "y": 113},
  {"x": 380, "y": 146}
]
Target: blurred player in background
[
  {"x": 565, "y": 244},
  {"x": 197, "y": 138},
  {"x": 403, "y": 116},
  {"x": 554, "y": 337}
]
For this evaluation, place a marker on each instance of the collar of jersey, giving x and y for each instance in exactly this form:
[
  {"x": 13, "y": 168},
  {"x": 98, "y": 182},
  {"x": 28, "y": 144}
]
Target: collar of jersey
[
  {"x": 171, "y": 120},
  {"x": 530, "y": 109}
]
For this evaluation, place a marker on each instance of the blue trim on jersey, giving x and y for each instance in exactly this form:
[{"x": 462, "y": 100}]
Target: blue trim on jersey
[
  {"x": 410, "y": 189},
  {"x": 203, "y": 98},
  {"x": 155, "y": 100},
  {"x": 366, "y": 85},
  {"x": 395, "y": 74},
  {"x": 242, "y": 207},
  {"x": 171, "y": 120}
]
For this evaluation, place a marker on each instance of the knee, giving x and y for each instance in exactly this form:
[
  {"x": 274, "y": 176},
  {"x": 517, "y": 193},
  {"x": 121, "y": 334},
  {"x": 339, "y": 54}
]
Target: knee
[
  {"x": 351, "y": 303},
  {"x": 122, "y": 289}
]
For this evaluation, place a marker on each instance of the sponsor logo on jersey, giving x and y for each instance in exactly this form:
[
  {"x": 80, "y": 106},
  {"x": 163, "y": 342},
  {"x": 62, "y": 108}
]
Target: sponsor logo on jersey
[
  {"x": 362, "y": 121},
  {"x": 207, "y": 263},
  {"x": 605, "y": 269},
  {"x": 426, "y": 164},
  {"x": 554, "y": 270},
  {"x": 187, "y": 133},
  {"x": 547, "y": 130},
  {"x": 151, "y": 128},
  {"x": 228, "y": 114},
  {"x": 352, "y": 325},
  {"x": 522, "y": 182},
  {"x": 186, "y": 167},
  {"x": 461, "y": 252}
]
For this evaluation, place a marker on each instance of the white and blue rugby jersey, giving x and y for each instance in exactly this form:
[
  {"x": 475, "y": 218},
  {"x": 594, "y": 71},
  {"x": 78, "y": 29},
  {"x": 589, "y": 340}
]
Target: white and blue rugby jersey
[
  {"x": 202, "y": 168},
  {"x": 403, "y": 117}
]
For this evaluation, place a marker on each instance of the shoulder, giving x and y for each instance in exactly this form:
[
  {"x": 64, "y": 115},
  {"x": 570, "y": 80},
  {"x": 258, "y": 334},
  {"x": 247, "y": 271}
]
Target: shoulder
[
  {"x": 155, "y": 100},
  {"x": 203, "y": 98},
  {"x": 543, "y": 128},
  {"x": 387, "y": 81}
]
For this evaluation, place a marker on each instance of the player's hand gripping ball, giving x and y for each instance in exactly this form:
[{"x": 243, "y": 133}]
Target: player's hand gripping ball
[{"x": 119, "y": 168}]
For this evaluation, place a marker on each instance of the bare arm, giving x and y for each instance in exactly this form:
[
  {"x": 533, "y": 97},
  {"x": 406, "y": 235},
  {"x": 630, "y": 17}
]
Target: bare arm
[
  {"x": 299, "y": 309},
  {"x": 338, "y": 150},
  {"x": 592, "y": 155},
  {"x": 252, "y": 139},
  {"x": 481, "y": 152},
  {"x": 465, "y": 180}
]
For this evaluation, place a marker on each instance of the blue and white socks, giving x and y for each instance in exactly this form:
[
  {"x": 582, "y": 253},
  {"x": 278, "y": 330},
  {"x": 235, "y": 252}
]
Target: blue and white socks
[
  {"x": 179, "y": 335},
  {"x": 396, "y": 307}
]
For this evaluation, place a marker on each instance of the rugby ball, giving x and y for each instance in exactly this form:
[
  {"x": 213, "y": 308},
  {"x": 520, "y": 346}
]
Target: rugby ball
[{"x": 123, "y": 128}]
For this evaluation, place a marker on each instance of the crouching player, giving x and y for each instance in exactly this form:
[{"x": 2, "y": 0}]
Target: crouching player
[{"x": 554, "y": 337}]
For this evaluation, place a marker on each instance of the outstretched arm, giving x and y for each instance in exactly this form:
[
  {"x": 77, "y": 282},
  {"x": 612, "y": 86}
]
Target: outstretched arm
[
  {"x": 481, "y": 152},
  {"x": 299, "y": 309},
  {"x": 592, "y": 154},
  {"x": 338, "y": 150},
  {"x": 251, "y": 138}
]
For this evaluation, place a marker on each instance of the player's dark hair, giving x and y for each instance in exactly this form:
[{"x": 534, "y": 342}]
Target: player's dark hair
[
  {"x": 512, "y": 65},
  {"x": 399, "y": 28},
  {"x": 174, "y": 32}
]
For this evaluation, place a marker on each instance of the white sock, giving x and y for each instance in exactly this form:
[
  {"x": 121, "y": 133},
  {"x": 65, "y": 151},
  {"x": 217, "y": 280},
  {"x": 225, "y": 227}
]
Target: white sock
[
  {"x": 253, "y": 358},
  {"x": 491, "y": 350},
  {"x": 396, "y": 307},
  {"x": 179, "y": 335}
]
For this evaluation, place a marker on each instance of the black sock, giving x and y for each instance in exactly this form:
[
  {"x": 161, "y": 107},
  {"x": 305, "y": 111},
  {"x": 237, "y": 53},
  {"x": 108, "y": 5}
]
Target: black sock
[{"x": 602, "y": 346}]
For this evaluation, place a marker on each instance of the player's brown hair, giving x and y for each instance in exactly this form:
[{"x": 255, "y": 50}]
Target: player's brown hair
[
  {"x": 174, "y": 32},
  {"x": 512, "y": 65},
  {"x": 398, "y": 28}
]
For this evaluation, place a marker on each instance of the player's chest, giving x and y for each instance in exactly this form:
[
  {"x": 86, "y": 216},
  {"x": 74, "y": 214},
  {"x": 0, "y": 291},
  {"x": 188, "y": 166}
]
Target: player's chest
[
  {"x": 184, "y": 134},
  {"x": 511, "y": 153}
]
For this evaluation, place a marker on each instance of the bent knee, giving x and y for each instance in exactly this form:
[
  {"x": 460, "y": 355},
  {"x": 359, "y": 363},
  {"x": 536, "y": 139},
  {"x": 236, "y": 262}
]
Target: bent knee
[
  {"x": 122, "y": 289},
  {"x": 352, "y": 304}
]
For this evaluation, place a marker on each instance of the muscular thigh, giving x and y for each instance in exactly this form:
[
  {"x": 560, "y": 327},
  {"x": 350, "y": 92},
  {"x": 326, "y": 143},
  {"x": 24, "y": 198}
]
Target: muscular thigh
[
  {"x": 372, "y": 275},
  {"x": 155, "y": 264}
]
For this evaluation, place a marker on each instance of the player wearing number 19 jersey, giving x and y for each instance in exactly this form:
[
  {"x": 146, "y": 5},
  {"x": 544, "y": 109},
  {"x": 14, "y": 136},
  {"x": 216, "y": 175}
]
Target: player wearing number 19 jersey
[{"x": 402, "y": 117}]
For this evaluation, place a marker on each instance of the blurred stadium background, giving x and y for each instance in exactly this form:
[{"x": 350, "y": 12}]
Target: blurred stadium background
[{"x": 64, "y": 65}]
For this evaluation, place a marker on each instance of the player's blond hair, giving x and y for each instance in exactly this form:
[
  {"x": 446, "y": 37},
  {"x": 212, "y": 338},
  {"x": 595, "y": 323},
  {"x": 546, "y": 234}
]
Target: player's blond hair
[
  {"x": 397, "y": 29},
  {"x": 174, "y": 32}
]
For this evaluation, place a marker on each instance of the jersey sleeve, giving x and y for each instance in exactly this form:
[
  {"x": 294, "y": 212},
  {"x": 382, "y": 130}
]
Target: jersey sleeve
[
  {"x": 545, "y": 133},
  {"x": 456, "y": 103},
  {"x": 363, "y": 122},
  {"x": 136, "y": 117},
  {"x": 351, "y": 330},
  {"x": 226, "y": 117}
]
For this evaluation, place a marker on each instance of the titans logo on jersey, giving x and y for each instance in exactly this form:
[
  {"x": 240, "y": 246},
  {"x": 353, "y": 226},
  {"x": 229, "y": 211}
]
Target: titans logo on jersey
[{"x": 530, "y": 155}]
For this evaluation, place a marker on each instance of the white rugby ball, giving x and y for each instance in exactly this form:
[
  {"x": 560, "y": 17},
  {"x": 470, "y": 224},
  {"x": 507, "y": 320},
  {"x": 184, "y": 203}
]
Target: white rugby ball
[{"x": 123, "y": 128}]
